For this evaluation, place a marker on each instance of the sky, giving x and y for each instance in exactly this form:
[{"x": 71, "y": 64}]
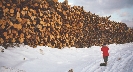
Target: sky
[{"x": 120, "y": 10}]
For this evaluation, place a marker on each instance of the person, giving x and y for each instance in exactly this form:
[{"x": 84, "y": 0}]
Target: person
[{"x": 105, "y": 49}]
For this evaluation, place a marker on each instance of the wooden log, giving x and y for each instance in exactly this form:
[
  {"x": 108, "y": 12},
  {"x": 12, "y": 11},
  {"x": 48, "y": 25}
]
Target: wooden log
[
  {"x": 43, "y": 20},
  {"x": 18, "y": 15},
  {"x": 55, "y": 1},
  {"x": 21, "y": 40},
  {"x": 28, "y": 21},
  {"x": 6, "y": 10},
  {"x": 22, "y": 35},
  {"x": 1, "y": 41},
  {"x": 36, "y": 4},
  {"x": 39, "y": 26},
  {"x": 1, "y": 4},
  {"x": 41, "y": 14},
  {"x": 11, "y": 15},
  {"x": 10, "y": 25},
  {"x": 5, "y": 34},
  {"x": 34, "y": 22},
  {"x": 11, "y": 10},
  {"x": 17, "y": 26},
  {"x": 25, "y": 8},
  {"x": 28, "y": 36},
  {"x": 33, "y": 17},
  {"x": 21, "y": 21},
  {"x": 3, "y": 26},
  {"x": 7, "y": 37},
  {"x": 23, "y": 12},
  {"x": 11, "y": 35},
  {"x": 13, "y": 40},
  {"x": 29, "y": 13},
  {"x": 8, "y": 4}
]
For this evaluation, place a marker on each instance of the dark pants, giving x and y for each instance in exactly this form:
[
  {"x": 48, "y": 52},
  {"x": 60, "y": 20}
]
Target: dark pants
[{"x": 105, "y": 58}]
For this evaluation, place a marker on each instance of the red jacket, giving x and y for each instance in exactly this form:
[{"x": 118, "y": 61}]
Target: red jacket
[{"x": 105, "y": 51}]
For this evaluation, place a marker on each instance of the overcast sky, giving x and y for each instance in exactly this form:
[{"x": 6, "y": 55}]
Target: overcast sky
[{"x": 120, "y": 10}]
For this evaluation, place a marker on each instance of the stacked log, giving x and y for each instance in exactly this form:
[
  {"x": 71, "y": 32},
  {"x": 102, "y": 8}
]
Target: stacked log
[{"x": 58, "y": 25}]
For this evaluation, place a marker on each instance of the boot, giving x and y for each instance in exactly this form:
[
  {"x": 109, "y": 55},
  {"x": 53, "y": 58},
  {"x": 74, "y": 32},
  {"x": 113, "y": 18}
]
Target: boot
[{"x": 106, "y": 63}]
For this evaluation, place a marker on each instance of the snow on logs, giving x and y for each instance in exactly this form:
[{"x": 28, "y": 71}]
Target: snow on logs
[{"x": 54, "y": 24}]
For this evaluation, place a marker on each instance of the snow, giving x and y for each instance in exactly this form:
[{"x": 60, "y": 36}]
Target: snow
[{"x": 45, "y": 59}]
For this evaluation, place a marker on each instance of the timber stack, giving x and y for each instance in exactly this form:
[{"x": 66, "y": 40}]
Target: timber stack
[{"x": 57, "y": 25}]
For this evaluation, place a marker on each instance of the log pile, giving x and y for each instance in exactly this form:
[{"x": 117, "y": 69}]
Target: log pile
[{"x": 58, "y": 25}]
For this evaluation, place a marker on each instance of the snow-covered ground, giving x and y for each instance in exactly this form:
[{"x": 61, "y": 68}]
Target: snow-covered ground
[{"x": 44, "y": 59}]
